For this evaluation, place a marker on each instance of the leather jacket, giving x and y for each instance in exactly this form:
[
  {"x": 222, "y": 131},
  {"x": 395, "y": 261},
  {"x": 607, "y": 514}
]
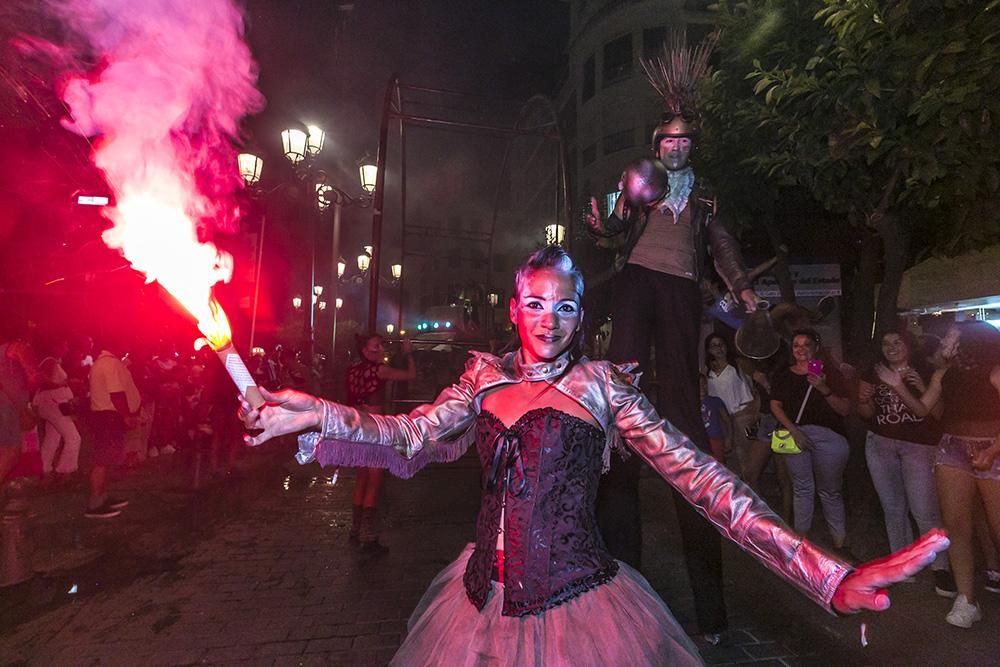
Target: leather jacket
[
  {"x": 442, "y": 431},
  {"x": 725, "y": 250}
]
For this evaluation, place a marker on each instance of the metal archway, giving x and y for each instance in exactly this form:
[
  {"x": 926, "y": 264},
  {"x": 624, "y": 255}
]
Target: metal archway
[{"x": 394, "y": 109}]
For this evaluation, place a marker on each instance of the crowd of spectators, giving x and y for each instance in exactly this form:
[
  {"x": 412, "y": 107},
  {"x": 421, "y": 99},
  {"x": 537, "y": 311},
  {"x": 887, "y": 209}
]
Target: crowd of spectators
[
  {"x": 931, "y": 409},
  {"x": 111, "y": 406}
]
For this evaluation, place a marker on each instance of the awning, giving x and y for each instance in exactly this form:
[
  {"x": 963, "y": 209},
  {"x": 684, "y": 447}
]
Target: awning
[{"x": 941, "y": 284}]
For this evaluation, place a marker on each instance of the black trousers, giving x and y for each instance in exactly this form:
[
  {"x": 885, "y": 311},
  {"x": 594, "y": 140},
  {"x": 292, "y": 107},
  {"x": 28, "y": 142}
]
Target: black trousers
[{"x": 653, "y": 308}]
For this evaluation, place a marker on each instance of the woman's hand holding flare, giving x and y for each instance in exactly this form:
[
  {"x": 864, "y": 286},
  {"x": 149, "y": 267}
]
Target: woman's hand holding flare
[
  {"x": 284, "y": 412},
  {"x": 865, "y": 588}
]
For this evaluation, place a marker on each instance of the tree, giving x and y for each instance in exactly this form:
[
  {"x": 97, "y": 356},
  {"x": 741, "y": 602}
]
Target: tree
[{"x": 882, "y": 110}]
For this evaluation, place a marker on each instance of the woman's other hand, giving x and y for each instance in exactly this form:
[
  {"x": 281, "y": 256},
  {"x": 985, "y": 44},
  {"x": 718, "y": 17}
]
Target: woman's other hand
[
  {"x": 888, "y": 376},
  {"x": 866, "y": 391},
  {"x": 801, "y": 439},
  {"x": 284, "y": 412},
  {"x": 911, "y": 377},
  {"x": 983, "y": 459},
  {"x": 865, "y": 588}
]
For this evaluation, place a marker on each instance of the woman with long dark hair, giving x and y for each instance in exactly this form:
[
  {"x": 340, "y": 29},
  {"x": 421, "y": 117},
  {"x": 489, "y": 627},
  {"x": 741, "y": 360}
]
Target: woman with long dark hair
[
  {"x": 900, "y": 447},
  {"x": 968, "y": 455},
  {"x": 538, "y": 586}
]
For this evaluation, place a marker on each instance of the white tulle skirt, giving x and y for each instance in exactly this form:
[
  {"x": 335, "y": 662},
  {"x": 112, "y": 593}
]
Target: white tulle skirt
[{"x": 620, "y": 623}]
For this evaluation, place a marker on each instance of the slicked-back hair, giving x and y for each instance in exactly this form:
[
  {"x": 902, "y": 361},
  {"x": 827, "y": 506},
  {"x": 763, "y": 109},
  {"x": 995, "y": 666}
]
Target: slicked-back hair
[{"x": 549, "y": 257}]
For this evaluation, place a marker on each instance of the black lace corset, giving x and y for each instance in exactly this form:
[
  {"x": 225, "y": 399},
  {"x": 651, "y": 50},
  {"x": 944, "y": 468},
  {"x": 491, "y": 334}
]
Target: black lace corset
[{"x": 544, "y": 471}]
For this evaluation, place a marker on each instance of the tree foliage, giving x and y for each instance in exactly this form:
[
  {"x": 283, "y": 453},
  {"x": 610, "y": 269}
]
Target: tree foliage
[{"x": 874, "y": 106}]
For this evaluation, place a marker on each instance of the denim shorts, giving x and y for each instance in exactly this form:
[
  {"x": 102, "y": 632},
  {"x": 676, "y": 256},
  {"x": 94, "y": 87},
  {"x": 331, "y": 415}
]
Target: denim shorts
[{"x": 957, "y": 452}]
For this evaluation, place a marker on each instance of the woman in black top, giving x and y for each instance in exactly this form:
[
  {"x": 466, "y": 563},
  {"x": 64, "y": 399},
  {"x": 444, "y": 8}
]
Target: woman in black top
[
  {"x": 968, "y": 456},
  {"x": 819, "y": 395},
  {"x": 900, "y": 448}
]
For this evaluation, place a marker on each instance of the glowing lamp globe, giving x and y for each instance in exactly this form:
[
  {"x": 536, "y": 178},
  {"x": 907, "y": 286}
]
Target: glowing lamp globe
[
  {"x": 250, "y": 167},
  {"x": 369, "y": 173},
  {"x": 363, "y": 262},
  {"x": 315, "y": 139},
  {"x": 293, "y": 144}
]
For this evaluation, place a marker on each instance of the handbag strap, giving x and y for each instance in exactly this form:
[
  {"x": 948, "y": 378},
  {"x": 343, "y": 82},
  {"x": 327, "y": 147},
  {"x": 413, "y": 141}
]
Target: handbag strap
[{"x": 802, "y": 408}]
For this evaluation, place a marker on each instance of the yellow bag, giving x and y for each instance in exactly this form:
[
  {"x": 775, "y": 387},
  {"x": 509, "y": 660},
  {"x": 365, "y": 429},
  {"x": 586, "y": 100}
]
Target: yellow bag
[{"x": 782, "y": 442}]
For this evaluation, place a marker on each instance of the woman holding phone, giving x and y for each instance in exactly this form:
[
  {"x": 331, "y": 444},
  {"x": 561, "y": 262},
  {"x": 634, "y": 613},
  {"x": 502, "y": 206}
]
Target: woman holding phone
[{"x": 810, "y": 400}]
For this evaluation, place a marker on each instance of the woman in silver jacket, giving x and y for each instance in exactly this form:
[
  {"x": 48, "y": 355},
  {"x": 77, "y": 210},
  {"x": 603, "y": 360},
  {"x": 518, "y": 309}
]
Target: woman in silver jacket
[{"x": 544, "y": 420}]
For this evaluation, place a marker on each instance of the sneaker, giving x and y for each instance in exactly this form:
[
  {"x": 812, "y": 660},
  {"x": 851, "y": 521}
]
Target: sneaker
[
  {"x": 963, "y": 614},
  {"x": 168, "y": 450},
  {"x": 944, "y": 584},
  {"x": 993, "y": 581},
  {"x": 116, "y": 503},
  {"x": 104, "y": 511}
]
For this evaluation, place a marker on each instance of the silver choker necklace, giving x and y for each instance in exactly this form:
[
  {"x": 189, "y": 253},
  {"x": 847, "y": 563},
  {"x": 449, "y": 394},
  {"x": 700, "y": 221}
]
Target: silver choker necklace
[{"x": 541, "y": 370}]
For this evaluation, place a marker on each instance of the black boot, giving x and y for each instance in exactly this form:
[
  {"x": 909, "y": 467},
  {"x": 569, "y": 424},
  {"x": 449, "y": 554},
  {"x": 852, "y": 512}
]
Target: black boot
[{"x": 369, "y": 533}]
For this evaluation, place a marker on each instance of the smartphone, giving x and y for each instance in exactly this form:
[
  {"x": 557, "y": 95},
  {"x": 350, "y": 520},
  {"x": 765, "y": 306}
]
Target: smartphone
[{"x": 815, "y": 367}]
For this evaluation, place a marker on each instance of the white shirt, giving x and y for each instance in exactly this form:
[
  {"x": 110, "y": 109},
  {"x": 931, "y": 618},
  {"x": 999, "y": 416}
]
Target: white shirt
[{"x": 731, "y": 387}]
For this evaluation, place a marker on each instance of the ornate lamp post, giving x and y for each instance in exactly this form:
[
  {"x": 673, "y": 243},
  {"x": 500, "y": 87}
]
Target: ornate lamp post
[
  {"x": 299, "y": 147},
  {"x": 340, "y": 199},
  {"x": 250, "y": 167}
]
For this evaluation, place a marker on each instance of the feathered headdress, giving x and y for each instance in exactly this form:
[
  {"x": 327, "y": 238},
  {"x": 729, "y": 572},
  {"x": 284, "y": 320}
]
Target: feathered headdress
[{"x": 676, "y": 75}]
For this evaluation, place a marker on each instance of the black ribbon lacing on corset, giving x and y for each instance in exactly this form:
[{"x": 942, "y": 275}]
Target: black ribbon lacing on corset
[{"x": 506, "y": 469}]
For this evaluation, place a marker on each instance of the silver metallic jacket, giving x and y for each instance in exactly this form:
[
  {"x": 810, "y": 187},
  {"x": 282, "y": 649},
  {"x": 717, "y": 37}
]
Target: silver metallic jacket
[{"x": 442, "y": 431}]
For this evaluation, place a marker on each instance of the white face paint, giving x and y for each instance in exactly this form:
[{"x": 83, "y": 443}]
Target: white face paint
[
  {"x": 674, "y": 152},
  {"x": 547, "y": 313}
]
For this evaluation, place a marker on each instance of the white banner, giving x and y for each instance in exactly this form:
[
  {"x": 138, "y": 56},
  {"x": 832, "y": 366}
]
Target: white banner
[{"x": 811, "y": 280}]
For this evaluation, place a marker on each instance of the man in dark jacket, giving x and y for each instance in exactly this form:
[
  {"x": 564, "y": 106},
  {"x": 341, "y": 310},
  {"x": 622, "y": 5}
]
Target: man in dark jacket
[{"x": 662, "y": 254}]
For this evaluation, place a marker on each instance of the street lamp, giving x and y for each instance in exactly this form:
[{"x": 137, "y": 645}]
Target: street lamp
[
  {"x": 364, "y": 261},
  {"x": 369, "y": 173},
  {"x": 322, "y": 305},
  {"x": 340, "y": 199},
  {"x": 296, "y": 302},
  {"x": 397, "y": 271},
  {"x": 318, "y": 290},
  {"x": 493, "y": 298},
  {"x": 339, "y": 303},
  {"x": 368, "y": 250},
  {"x": 555, "y": 234},
  {"x": 316, "y": 139},
  {"x": 389, "y": 328},
  {"x": 322, "y": 195},
  {"x": 293, "y": 145},
  {"x": 250, "y": 167}
]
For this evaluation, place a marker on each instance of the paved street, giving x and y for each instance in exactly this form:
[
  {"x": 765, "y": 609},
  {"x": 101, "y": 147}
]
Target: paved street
[{"x": 258, "y": 570}]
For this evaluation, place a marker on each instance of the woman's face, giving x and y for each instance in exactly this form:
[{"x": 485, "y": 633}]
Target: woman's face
[
  {"x": 547, "y": 313},
  {"x": 803, "y": 348},
  {"x": 717, "y": 348},
  {"x": 894, "y": 349},
  {"x": 374, "y": 350}
]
